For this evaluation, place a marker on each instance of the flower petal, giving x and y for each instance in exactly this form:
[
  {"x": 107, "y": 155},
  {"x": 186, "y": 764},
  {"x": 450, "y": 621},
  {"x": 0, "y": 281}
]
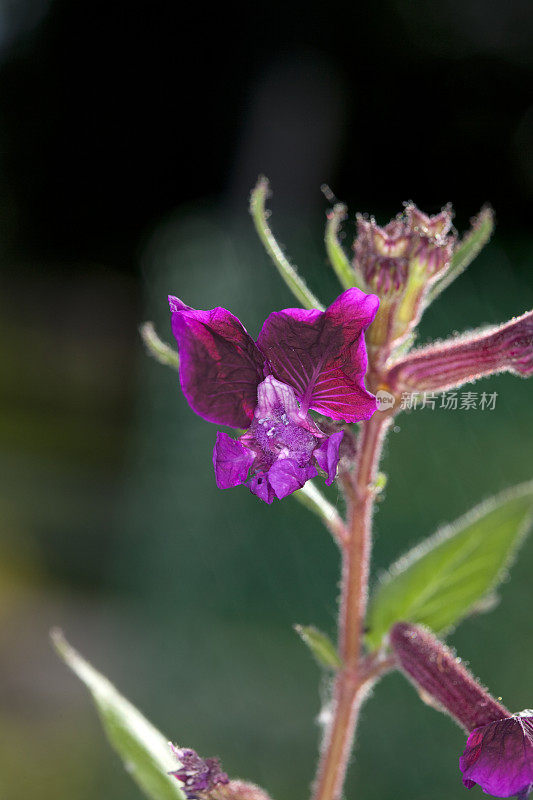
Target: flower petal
[
  {"x": 499, "y": 757},
  {"x": 457, "y": 361},
  {"x": 327, "y": 455},
  {"x": 231, "y": 460},
  {"x": 260, "y": 486},
  {"x": 322, "y": 355},
  {"x": 274, "y": 397},
  {"x": 220, "y": 365},
  {"x": 285, "y": 476}
]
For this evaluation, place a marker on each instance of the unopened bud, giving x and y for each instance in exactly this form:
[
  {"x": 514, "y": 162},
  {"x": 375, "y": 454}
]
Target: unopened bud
[
  {"x": 441, "y": 677},
  {"x": 400, "y": 262},
  {"x": 241, "y": 790},
  {"x": 452, "y": 363},
  {"x": 203, "y": 779}
]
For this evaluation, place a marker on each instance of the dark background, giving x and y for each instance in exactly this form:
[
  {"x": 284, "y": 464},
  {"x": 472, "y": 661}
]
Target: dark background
[{"x": 130, "y": 136}]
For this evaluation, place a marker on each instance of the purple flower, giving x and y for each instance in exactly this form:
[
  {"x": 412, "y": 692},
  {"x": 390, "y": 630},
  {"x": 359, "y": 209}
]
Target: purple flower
[
  {"x": 282, "y": 447},
  {"x": 499, "y": 750},
  {"x": 499, "y": 756},
  {"x": 199, "y": 776},
  {"x": 302, "y": 360}
]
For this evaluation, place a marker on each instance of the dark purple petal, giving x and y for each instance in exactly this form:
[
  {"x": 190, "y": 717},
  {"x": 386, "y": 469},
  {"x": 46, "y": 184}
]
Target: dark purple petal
[
  {"x": 327, "y": 455},
  {"x": 220, "y": 365},
  {"x": 322, "y": 355},
  {"x": 285, "y": 476},
  {"x": 457, "y": 361},
  {"x": 499, "y": 757},
  {"x": 260, "y": 486},
  {"x": 231, "y": 460},
  {"x": 177, "y": 305}
]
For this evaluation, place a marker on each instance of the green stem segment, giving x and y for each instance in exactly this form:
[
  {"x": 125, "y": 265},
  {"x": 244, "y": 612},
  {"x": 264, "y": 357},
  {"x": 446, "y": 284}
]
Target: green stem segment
[
  {"x": 289, "y": 274},
  {"x": 466, "y": 251},
  {"x": 339, "y": 261},
  {"x": 161, "y": 351},
  {"x": 310, "y": 497},
  {"x": 353, "y": 679}
]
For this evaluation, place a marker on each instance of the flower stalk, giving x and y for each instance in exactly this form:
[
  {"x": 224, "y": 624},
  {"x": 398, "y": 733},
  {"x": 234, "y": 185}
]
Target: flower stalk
[
  {"x": 289, "y": 274},
  {"x": 353, "y": 679},
  {"x": 333, "y": 361}
]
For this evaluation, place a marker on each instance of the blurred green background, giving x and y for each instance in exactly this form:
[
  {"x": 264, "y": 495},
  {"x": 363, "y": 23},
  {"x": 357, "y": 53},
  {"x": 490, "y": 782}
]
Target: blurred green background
[{"x": 126, "y": 166}]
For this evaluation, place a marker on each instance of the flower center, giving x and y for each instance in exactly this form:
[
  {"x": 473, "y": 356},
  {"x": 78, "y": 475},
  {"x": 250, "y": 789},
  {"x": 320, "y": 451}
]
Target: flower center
[{"x": 275, "y": 435}]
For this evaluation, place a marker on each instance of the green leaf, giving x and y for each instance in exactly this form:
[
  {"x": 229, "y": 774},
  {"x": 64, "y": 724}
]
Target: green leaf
[
  {"x": 446, "y": 577},
  {"x": 320, "y": 646},
  {"x": 289, "y": 274},
  {"x": 466, "y": 251},
  {"x": 144, "y": 750}
]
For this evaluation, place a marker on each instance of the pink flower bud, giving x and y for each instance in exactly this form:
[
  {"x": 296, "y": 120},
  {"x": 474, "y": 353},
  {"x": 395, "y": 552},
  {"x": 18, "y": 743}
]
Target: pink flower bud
[
  {"x": 442, "y": 678},
  {"x": 499, "y": 751},
  {"x": 400, "y": 261},
  {"x": 242, "y": 790},
  {"x": 457, "y": 361}
]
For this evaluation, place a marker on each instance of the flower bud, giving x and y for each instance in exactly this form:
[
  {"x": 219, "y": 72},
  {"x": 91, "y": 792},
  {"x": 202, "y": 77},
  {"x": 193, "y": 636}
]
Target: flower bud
[
  {"x": 400, "y": 262},
  {"x": 499, "y": 751},
  {"x": 441, "y": 677},
  {"x": 203, "y": 779},
  {"x": 452, "y": 363},
  {"x": 241, "y": 790}
]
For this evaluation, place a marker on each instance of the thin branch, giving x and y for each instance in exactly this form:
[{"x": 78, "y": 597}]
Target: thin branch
[
  {"x": 289, "y": 274},
  {"x": 310, "y": 497},
  {"x": 161, "y": 351},
  {"x": 339, "y": 260}
]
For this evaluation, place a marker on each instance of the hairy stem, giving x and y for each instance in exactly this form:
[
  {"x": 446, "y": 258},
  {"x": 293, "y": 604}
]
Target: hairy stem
[
  {"x": 289, "y": 274},
  {"x": 352, "y": 679}
]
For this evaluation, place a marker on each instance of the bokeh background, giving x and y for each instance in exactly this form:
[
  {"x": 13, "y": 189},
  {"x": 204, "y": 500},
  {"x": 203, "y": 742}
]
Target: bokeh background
[{"x": 130, "y": 136}]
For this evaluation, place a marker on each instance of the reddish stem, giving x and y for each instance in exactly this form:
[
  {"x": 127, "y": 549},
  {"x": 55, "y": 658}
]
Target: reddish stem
[{"x": 354, "y": 678}]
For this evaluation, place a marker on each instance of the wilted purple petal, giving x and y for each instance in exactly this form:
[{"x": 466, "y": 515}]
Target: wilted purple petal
[
  {"x": 198, "y": 775},
  {"x": 327, "y": 455},
  {"x": 457, "y": 361},
  {"x": 231, "y": 460},
  {"x": 285, "y": 476},
  {"x": 499, "y": 757},
  {"x": 322, "y": 354},
  {"x": 220, "y": 364}
]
